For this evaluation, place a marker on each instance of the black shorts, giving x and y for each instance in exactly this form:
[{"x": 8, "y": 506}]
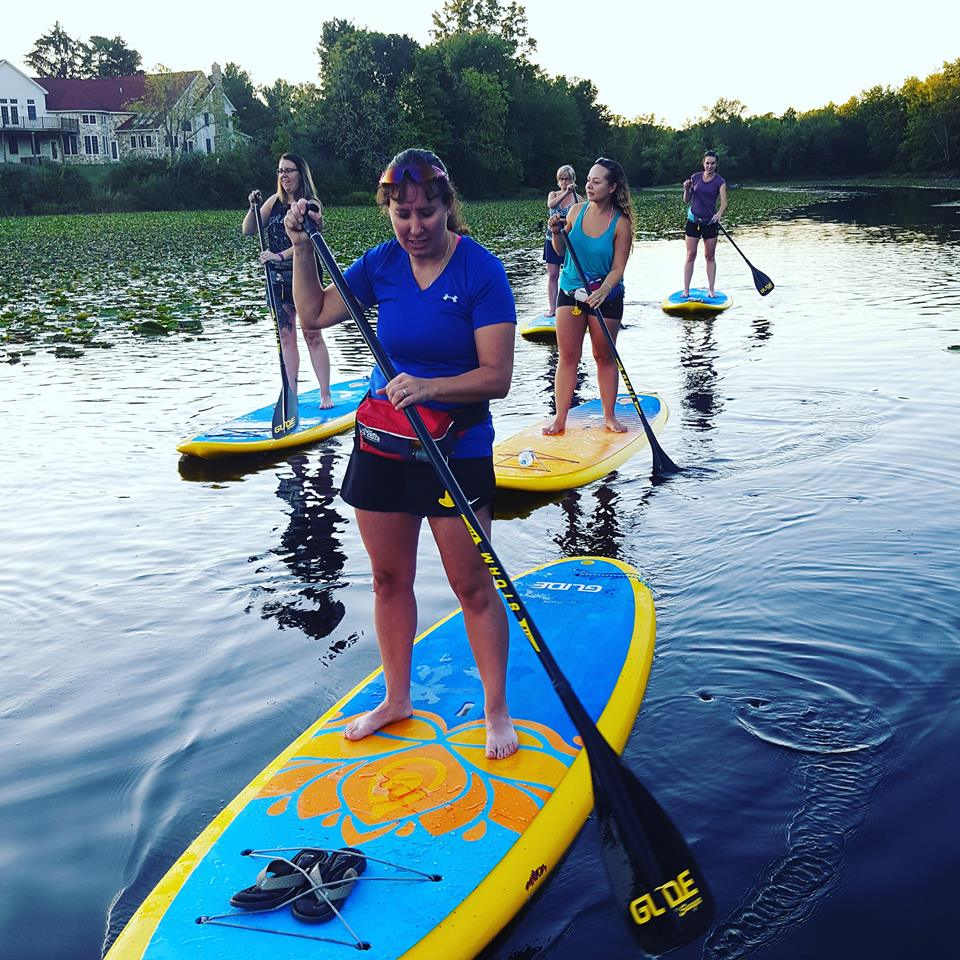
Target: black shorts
[
  {"x": 410, "y": 486},
  {"x": 550, "y": 255},
  {"x": 705, "y": 231},
  {"x": 611, "y": 309}
]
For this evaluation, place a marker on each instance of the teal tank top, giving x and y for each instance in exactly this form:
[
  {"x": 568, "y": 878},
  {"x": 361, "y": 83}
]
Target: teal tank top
[{"x": 595, "y": 253}]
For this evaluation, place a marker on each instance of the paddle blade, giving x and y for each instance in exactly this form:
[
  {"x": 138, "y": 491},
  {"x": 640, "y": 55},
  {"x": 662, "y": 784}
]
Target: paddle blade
[
  {"x": 286, "y": 414},
  {"x": 762, "y": 282},
  {"x": 656, "y": 882}
]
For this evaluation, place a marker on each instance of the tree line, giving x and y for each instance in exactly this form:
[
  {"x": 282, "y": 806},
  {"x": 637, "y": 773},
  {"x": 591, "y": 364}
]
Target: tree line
[{"x": 475, "y": 95}]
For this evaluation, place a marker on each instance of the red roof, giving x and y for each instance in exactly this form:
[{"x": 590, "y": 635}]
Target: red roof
[{"x": 107, "y": 94}]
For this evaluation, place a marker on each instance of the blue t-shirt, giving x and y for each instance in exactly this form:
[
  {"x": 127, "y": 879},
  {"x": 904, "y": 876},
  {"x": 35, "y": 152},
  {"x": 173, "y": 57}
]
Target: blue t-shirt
[{"x": 430, "y": 333}]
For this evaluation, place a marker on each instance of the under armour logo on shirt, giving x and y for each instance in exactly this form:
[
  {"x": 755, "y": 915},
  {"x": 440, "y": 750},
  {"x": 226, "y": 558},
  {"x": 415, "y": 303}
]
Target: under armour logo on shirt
[{"x": 449, "y": 296}]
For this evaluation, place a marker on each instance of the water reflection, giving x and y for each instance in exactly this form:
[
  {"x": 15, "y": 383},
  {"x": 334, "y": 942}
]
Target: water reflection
[
  {"x": 592, "y": 525},
  {"x": 698, "y": 353},
  {"x": 889, "y": 214},
  {"x": 311, "y": 547}
]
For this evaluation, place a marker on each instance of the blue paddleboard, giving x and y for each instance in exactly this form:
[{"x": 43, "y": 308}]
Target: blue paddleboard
[
  {"x": 252, "y": 433},
  {"x": 455, "y": 844}
]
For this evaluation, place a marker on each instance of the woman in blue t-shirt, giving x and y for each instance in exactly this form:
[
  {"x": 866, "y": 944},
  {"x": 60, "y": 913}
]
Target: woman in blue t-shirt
[
  {"x": 446, "y": 317},
  {"x": 293, "y": 182},
  {"x": 702, "y": 192}
]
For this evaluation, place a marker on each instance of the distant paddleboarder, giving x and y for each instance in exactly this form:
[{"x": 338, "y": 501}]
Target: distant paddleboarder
[
  {"x": 294, "y": 182},
  {"x": 702, "y": 192}
]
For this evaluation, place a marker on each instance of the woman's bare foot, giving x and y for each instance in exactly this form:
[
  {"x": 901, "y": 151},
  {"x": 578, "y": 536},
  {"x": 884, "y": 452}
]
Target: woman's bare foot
[
  {"x": 326, "y": 401},
  {"x": 614, "y": 425},
  {"x": 555, "y": 427},
  {"x": 501, "y": 738},
  {"x": 377, "y": 718}
]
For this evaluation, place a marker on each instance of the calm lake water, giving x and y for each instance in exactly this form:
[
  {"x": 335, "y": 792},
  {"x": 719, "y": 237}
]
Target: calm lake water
[{"x": 166, "y": 632}]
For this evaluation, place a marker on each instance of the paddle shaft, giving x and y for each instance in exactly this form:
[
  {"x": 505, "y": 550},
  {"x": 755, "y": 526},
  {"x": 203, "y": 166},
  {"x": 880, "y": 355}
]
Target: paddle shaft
[
  {"x": 285, "y": 415},
  {"x": 662, "y": 464}
]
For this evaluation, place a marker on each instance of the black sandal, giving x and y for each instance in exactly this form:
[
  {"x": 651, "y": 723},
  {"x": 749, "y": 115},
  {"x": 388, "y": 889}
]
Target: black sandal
[
  {"x": 279, "y": 881},
  {"x": 332, "y": 879}
]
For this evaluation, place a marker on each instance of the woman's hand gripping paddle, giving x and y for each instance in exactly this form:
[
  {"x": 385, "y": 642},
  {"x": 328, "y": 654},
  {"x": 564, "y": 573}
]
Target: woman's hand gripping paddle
[
  {"x": 655, "y": 880},
  {"x": 286, "y": 415},
  {"x": 662, "y": 464}
]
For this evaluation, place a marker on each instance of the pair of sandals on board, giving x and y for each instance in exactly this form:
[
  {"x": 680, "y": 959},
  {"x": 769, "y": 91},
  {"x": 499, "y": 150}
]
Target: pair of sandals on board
[{"x": 315, "y": 883}]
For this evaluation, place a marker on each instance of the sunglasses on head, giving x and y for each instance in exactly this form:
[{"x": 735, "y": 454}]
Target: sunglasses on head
[
  {"x": 417, "y": 172},
  {"x": 604, "y": 162}
]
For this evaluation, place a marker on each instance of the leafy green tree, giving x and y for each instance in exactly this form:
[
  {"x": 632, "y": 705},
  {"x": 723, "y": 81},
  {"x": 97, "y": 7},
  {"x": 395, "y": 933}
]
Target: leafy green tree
[
  {"x": 361, "y": 74},
  {"x": 253, "y": 115},
  {"x": 508, "y": 21},
  {"x": 56, "y": 54},
  {"x": 105, "y": 57},
  {"x": 171, "y": 100},
  {"x": 933, "y": 119}
]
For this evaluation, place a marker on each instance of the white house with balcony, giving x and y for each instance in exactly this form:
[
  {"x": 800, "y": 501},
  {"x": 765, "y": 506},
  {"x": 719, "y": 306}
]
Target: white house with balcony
[
  {"x": 29, "y": 132},
  {"x": 104, "y": 119}
]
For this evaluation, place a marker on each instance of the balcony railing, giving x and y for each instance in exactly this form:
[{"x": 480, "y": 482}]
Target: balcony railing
[{"x": 66, "y": 124}]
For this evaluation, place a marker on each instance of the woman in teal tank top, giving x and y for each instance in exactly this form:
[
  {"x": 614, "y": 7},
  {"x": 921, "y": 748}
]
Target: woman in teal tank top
[{"x": 602, "y": 234}]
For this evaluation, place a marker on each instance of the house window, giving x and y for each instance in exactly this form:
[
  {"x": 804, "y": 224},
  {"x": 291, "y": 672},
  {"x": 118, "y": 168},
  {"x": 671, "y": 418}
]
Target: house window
[
  {"x": 190, "y": 146},
  {"x": 4, "y": 112},
  {"x": 14, "y": 114},
  {"x": 91, "y": 145},
  {"x": 209, "y": 145},
  {"x": 143, "y": 141},
  {"x": 14, "y": 145},
  {"x": 113, "y": 150},
  {"x": 73, "y": 144},
  {"x": 53, "y": 149},
  {"x": 31, "y": 110},
  {"x": 206, "y": 119},
  {"x": 187, "y": 126},
  {"x": 85, "y": 118},
  {"x": 150, "y": 141}
]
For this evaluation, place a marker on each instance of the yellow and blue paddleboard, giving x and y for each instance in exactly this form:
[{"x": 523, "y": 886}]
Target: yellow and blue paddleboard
[
  {"x": 539, "y": 328},
  {"x": 586, "y": 451},
  {"x": 419, "y": 798},
  {"x": 253, "y": 433},
  {"x": 698, "y": 304}
]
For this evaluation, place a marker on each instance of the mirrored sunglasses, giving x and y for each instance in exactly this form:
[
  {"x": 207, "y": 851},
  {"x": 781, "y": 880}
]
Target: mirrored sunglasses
[{"x": 417, "y": 172}]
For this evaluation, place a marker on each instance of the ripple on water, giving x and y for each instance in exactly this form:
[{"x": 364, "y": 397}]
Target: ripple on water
[{"x": 837, "y": 769}]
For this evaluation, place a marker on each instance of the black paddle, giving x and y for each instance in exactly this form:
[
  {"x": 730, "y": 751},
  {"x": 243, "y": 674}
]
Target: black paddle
[
  {"x": 656, "y": 881},
  {"x": 760, "y": 280},
  {"x": 662, "y": 464},
  {"x": 286, "y": 415}
]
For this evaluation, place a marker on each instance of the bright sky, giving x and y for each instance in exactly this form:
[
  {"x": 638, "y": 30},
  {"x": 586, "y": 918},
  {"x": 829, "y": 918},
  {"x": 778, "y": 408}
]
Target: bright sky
[{"x": 672, "y": 62}]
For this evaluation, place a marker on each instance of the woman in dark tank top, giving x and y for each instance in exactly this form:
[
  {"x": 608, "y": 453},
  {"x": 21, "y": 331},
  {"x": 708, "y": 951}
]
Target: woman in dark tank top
[{"x": 294, "y": 182}]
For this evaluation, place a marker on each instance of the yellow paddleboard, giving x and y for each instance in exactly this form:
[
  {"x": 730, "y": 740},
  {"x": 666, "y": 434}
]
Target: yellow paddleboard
[
  {"x": 586, "y": 451},
  {"x": 539, "y": 328}
]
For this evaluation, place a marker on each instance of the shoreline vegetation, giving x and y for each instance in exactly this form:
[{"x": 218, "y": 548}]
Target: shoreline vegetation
[
  {"x": 476, "y": 95},
  {"x": 95, "y": 279}
]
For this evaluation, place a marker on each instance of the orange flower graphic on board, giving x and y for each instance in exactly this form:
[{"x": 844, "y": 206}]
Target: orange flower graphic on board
[{"x": 419, "y": 774}]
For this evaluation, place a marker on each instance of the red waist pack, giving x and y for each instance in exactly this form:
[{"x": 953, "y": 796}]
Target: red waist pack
[{"x": 386, "y": 431}]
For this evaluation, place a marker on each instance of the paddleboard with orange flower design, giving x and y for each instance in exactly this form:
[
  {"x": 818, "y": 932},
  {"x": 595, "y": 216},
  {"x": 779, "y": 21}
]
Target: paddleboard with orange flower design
[{"x": 455, "y": 844}]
